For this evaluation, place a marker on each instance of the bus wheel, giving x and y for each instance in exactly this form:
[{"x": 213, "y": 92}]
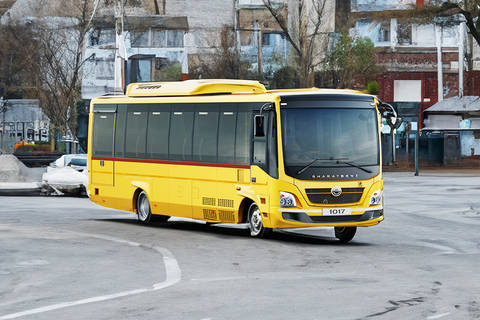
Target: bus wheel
[
  {"x": 255, "y": 222},
  {"x": 143, "y": 208},
  {"x": 345, "y": 234}
]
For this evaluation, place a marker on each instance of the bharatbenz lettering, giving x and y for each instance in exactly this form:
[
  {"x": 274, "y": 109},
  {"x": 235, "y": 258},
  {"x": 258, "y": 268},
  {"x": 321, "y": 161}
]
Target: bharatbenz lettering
[{"x": 230, "y": 151}]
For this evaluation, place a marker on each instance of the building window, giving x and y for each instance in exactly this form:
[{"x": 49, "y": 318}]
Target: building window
[
  {"x": 104, "y": 69},
  {"x": 174, "y": 38},
  {"x": 102, "y": 37},
  {"x": 404, "y": 33},
  {"x": 159, "y": 38},
  {"x": 266, "y": 39},
  {"x": 384, "y": 32},
  {"x": 140, "y": 39}
]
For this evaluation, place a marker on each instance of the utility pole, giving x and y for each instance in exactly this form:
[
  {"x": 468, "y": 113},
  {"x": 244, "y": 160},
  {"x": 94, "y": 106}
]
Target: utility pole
[
  {"x": 120, "y": 52},
  {"x": 3, "y": 109}
]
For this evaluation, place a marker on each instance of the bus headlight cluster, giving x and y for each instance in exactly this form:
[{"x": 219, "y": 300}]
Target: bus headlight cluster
[
  {"x": 287, "y": 199},
  {"x": 376, "y": 198}
]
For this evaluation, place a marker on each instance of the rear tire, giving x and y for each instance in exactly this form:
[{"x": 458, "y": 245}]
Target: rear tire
[
  {"x": 345, "y": 234},
  {"x": 144, "y": 213},
  {"x": 255, "y": 223}
]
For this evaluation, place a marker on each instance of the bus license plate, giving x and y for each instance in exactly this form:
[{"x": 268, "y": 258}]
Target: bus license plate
[{"x": 337, "y": 212}]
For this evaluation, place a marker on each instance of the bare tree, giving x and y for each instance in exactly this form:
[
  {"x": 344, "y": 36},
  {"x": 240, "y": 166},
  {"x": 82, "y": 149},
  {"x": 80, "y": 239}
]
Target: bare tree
[
  {"x": 225, "y": 61},
  {"x": 302, "y": 32},
  {"x": 61, "y": 59}
]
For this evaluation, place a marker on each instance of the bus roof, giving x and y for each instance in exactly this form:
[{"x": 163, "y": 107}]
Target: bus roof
[
  {"x": 195, "y": 87},
  {"x": 221, "y": 86}
]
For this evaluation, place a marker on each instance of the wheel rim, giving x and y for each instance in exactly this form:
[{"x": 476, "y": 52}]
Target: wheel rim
[
  {"x": 255, "y": 220},
  {"x": 341, "y": 230},
  {"x": 143, "y": 207}
]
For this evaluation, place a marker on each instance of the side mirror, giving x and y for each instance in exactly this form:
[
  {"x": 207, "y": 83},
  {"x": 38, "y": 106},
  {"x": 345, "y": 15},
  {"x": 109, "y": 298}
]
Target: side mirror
[
  {"x": 259, "y": 128},
  {"x": 389, "y": 113}
]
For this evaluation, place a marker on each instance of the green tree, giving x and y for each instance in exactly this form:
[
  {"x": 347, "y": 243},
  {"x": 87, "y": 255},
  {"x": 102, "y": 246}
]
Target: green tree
[{"x": 351, "y": 60}]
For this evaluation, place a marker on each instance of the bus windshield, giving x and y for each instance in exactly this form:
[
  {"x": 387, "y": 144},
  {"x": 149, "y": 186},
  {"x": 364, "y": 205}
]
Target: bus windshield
[{"x": 338, "y": 142}]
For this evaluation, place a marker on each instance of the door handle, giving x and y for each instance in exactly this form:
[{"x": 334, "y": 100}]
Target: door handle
[{"x": 102, "y": 163}]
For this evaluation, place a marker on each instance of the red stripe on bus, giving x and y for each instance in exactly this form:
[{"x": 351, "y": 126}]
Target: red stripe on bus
[{"x": 185, "y": 163}]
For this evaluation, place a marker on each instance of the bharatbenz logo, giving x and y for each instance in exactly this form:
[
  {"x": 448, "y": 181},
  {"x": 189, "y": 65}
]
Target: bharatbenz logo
[
  {"x": 336, "y": 191},
  {"x": 331, "y": 176}
]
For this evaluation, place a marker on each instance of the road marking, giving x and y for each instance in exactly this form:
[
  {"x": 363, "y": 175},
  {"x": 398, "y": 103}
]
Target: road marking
[
  {"x": 438, "y": 316},
  {"x": 444, "y": 249},
  {"x": 172, "y": 270}
]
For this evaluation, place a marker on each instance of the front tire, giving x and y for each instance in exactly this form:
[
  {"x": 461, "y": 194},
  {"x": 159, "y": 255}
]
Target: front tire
[
  {"x": 255, "y": 223},
  {"x": 345, "y": 234}
]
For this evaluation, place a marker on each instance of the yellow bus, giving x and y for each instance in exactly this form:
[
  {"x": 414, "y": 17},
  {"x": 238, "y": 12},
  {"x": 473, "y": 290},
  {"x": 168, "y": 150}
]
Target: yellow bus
[{"x": 230, "y": 151}]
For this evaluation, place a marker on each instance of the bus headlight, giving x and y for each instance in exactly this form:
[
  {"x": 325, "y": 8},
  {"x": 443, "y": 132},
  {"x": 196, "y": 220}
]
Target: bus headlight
[
  {"x": 376, "y": 198},
  {"x": 287, "y": 200}
]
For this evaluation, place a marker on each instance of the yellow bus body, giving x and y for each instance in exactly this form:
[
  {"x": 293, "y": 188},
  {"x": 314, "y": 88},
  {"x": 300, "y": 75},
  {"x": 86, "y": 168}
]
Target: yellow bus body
[{"x": 217, "y": 193}]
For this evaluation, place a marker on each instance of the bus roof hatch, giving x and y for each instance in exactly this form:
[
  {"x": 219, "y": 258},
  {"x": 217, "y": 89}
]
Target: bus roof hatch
[{"x": 194, "y": 87}]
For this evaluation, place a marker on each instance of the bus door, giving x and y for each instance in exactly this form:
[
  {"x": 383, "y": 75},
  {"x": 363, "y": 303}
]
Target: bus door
[
  {"x": 102, "y": 166},
  {"x": 264, "y": 149}
]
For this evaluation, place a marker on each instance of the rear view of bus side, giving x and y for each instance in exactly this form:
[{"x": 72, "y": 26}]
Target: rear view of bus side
[{"x": 229, "y": 151}]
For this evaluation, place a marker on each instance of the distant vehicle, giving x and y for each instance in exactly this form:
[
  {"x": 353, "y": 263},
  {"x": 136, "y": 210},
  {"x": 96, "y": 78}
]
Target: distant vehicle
[
  {"x": 230, "y": 151},
  {"x": 77, "y": 161}
]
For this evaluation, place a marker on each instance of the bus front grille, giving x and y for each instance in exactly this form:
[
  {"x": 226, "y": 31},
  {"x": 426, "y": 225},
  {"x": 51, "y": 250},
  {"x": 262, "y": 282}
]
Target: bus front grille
[{"x": 324, "y": 195}]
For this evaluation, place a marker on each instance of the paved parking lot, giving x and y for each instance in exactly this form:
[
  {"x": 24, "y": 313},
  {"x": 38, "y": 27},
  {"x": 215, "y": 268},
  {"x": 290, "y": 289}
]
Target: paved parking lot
[{"x": 67, "y": 258}]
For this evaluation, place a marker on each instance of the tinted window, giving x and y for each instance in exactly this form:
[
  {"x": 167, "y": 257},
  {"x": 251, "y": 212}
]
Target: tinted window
[
  {"x": 157, "y": 134},
  {"x": 181, "y": 129},
  {"x": 226, "y": 136},
  {"x": 120, "y": 123},
  {"x": 243, "y": 137},
  {"x": 272, "y": 146},
  {"x": 136, "y": 133},
  {"x": 205, "y": 136},
  {"x": 103, "y": 134}
]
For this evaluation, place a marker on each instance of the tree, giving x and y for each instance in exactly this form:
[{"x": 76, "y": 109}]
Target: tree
[
  {"x": 61, "y": 43},
  {"x": 351, "y": 60},
  {"x": 302, "y": 28},
  {"x": 224, "y": 62},
  {"x": 469, "y": 9},
  {"x": 18, "y": 61}
]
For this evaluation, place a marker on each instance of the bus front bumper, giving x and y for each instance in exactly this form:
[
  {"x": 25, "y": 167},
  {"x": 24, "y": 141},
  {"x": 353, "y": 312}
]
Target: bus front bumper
[{"x": 296, "y": 218}]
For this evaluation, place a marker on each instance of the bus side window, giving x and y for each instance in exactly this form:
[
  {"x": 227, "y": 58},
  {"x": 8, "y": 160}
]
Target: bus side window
[
  {"x": 272, "y": 146},
  {"x": 260, "y": 149},
  {"x": 181, "y": 133},
  {"x": 136, "y": 133},
  {"x": 157, "y": 132},
  {"x": 103, "y": 126},
  {"x": 226, "y": 135},
  {"x": 243, "y": 137},
  {"x": 205, "y": 136},
  {"x": 120, "y": 124}
]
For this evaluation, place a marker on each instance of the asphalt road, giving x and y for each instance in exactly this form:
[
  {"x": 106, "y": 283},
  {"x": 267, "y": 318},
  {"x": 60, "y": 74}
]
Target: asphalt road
[{"x": 66, "y": 258}]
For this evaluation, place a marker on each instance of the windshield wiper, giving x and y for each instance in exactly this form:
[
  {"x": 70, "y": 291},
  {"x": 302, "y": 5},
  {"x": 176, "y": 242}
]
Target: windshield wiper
[
  {"x": 338, "y": 160},
  {"x": 315, "y": 160},
  {"x": 354, "y": 165}
]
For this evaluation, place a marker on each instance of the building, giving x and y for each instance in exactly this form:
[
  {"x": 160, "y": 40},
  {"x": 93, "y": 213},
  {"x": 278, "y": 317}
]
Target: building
[
  {"x": 458, "y": 121},
  {"x": 23, "y": 119}
]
